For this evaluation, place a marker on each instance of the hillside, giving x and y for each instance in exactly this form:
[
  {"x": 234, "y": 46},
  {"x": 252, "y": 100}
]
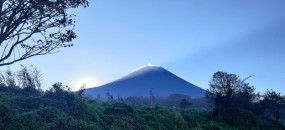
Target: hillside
[{"x": 139, "y": 83}]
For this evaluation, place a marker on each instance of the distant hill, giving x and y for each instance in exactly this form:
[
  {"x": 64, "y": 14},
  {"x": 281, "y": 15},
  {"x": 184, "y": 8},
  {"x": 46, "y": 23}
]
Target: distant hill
[{"x": 139, "y": 83}]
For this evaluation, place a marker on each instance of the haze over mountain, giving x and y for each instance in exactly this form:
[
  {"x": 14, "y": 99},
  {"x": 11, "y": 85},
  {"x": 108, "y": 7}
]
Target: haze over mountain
[{"x": 139, "y": 83}]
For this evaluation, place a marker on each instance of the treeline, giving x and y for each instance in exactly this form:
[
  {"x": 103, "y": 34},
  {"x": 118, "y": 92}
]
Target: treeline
[
  {"x": 172, "y": 101},
  {"x": 28, "y": 107},
  {"x": 26, "y": 77}
]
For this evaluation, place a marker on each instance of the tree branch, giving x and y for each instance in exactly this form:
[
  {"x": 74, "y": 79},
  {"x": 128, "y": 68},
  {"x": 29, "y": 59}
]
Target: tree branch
[{"x": 23, "y": 19}]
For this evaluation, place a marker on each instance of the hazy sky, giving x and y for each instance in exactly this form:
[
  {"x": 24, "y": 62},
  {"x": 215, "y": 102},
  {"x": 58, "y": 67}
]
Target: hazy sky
[{"x": 191, "y": 38}]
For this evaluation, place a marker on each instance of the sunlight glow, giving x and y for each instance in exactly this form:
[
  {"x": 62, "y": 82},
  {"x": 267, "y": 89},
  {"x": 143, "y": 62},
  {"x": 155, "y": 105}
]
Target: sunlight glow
[
  {"x": 148, "y": 65},
  {"x": 88, "y": 81}
]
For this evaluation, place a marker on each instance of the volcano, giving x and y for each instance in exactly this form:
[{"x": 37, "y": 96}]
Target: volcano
[{"x": 140, "y": 82}]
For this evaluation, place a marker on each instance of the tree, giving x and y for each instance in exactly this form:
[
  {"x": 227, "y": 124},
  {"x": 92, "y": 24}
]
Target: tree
[
  {"x": 60, "y": 88},
  {"x": 8, "y": 77},
  {"x": 273, "y": 104},
  {"x": 35, "y": 27},
  {"x": 230, "y": 94},
  {"x": 29, "y": 77},
  {"x": 227, "y": 89},
  {"x": 80, "y": 92}
]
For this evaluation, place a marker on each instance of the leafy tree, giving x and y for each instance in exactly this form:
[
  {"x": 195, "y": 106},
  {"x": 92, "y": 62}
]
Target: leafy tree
[
  {"x": 273, "y": 104},
  {"x": 230, "y": 93},
  {"x": 35, "y": 27},
  {"x": 228, "y": 89},
  {"x": 59, "y": 88}
]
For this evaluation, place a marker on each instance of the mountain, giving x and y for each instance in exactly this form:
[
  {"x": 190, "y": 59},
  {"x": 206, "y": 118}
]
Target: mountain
[{"x": 139, "y": 83}]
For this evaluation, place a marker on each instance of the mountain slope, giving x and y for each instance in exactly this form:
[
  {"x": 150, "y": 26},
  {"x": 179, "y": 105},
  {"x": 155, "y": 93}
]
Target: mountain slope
[{"x": 139, "y": 83}]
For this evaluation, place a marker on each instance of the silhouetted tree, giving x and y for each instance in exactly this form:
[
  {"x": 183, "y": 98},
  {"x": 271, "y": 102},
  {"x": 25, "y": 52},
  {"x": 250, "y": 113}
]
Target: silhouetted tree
[
  {"x": 273, "y": 104},
  {"x": 29, "y": 77},
  {"x": 228, "y": 89},
  {"x": 60, "y": 87},
  {"x": 80, "y": 92},
  {"x": 35, "y": 27},
  {"x": 230, "y": 93},
  {"x": 2, "y": 78},
  {"x": 24, "y": 78},
  {"x": 37, "y": 77},
  {"x": 9, "y": 77}
]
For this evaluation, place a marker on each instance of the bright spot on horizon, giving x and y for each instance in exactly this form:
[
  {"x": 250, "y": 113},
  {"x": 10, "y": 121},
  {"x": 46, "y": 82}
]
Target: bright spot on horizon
[{"x": 90, "y": 82}]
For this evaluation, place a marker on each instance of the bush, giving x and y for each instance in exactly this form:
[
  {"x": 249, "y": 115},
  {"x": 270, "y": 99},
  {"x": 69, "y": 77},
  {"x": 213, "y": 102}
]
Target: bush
[{"x": 6, "y": 115}]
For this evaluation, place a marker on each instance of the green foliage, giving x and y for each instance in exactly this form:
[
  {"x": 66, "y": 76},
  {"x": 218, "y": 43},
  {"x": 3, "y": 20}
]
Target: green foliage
[
  {"x": 6, "y": 115},
  {"x": 273, "y": 105},
  {"x": 118, "y": 109},
  {"x": 231, "y": 95},
  {"x": 59, "y": 108},
  {"x": 228, "y": 90}
]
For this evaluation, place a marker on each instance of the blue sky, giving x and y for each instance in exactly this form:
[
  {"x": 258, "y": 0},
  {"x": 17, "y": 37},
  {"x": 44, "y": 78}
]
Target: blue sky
[{"x": 191, "y": 38}]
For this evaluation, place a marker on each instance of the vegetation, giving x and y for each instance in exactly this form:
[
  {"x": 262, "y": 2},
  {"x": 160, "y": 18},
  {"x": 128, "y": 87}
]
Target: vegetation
[
  {"x": 273, "y": 105},
  {"x": 236, "y": 103},
  {"x": 23, "y": 107},
  {"x": 35, "y": 27},
  {"x": 172, "y": 101},
  {"x": 58, "y": 108}
]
